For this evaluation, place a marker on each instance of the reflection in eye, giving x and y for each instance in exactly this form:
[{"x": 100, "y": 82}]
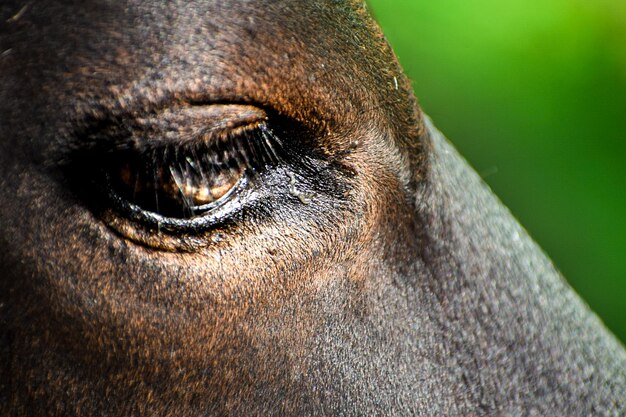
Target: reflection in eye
[{"x": 186, "y": 180}]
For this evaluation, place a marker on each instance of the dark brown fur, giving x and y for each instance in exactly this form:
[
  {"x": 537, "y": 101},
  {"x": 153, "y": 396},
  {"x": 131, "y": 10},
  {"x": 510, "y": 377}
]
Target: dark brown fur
[{"x": 398, "y": 286}]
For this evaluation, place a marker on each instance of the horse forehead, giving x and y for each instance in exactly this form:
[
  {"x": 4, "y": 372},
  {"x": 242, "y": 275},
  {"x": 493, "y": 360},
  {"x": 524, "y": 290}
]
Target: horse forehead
[{"x": 293, "y": 43}]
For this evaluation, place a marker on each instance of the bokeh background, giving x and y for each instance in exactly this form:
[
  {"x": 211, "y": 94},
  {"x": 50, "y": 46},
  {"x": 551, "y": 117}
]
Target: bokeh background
[{"x": 533, "y": 94}]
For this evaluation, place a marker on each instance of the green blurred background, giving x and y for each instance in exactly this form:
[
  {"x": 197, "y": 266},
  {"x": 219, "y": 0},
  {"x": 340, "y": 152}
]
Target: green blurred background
[{"x": 533, "y": 94}]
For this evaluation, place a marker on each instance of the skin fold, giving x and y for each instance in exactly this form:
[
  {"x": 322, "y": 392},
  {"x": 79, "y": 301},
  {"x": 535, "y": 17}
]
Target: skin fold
[{"x": 364, "y": 270}]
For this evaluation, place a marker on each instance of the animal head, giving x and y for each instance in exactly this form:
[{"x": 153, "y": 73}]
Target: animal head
[{"x": 237, "y": 208}]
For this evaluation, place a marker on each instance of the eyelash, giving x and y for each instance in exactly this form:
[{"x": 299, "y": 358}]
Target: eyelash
[{"x": 185, "y": 181}]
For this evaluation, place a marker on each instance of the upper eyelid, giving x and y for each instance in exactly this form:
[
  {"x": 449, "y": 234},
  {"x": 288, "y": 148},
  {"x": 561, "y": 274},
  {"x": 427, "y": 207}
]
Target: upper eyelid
[
  {"x": 181, "y": 125},
  {"x": 175, "y": 125}
]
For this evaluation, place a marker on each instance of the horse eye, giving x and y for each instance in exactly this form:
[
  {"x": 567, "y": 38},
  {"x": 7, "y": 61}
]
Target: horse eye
[
  {"x": 176, "y": 183},
  {"x": 183, "y": 181}
]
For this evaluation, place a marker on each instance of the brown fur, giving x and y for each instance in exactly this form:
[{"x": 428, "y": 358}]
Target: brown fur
[{"x": 362, "y": 300}]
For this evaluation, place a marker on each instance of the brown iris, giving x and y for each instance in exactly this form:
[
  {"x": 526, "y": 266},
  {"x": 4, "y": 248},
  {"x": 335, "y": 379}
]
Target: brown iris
[{"x": 180, "y": 182}]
